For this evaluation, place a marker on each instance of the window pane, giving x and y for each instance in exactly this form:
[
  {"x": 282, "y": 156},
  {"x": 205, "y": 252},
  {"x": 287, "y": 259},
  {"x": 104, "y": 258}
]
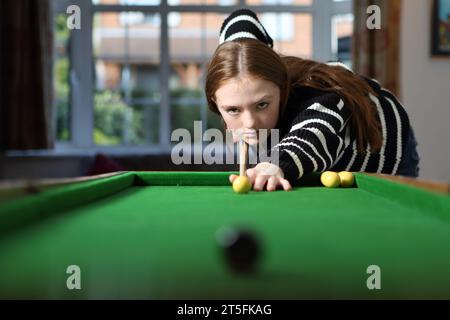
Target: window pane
[
  {"x": 292, "y": 33},
  {"x": 61, "y": 71},
  {"x": 341, "y": 37},
  {"x": 127, "y": 95},
  {"x": 193, "y": 39}
]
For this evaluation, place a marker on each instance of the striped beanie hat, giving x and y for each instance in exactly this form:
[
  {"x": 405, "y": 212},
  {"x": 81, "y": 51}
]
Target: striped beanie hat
[{"x": 244, "y": 23}]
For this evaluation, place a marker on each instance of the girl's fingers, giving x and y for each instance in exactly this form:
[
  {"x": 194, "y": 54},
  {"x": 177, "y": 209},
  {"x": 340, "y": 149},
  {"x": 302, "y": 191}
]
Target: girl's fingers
[
  {"x": 232, "y": 178},
  {"x": 272, "y": 184},
  {"x": 251, "y": 173},
  {"x": 260, "y": 181},
  {"x": 286, "y": 185}
]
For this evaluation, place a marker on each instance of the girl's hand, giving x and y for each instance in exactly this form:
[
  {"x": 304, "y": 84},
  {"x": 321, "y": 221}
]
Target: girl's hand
[{"x": 266, "y": 174}]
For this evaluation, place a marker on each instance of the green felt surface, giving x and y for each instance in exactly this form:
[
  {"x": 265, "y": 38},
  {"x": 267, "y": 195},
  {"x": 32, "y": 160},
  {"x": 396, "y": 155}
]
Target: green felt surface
[{"x": 151, "y": 235}]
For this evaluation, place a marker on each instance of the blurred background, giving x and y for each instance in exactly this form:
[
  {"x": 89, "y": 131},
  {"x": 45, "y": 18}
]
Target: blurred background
[{"x": 106, "y": 96}]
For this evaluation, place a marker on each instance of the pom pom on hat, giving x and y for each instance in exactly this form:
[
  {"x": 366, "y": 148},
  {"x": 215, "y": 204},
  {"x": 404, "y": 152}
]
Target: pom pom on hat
[{"x": 244, "y": 24}]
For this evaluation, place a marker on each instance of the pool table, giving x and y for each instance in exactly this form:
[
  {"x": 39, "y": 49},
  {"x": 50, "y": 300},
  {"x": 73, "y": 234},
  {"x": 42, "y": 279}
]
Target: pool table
[{"x": 152, "y": 235}]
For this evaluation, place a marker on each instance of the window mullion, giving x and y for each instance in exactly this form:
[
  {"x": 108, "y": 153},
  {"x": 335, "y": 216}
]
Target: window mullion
[
  {"x": 165, "y": 111},
  {"x": 81, "y": 79},
  {"x": 322, "y": 30},
  {"x": 60, "y": 6},
  {"x": 342, "y": 7}
]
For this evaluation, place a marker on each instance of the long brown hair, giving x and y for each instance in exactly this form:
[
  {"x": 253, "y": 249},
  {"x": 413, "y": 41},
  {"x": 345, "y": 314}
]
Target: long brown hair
[{"x": 254, "y": 58}]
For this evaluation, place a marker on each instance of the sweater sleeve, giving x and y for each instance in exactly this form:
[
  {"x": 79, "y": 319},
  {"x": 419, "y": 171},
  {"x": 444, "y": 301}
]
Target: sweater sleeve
[{"x": 316, "y": 136}]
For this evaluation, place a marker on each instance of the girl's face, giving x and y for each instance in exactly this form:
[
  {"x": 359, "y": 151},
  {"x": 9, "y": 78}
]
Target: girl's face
[{"x": 248, "y": 104}]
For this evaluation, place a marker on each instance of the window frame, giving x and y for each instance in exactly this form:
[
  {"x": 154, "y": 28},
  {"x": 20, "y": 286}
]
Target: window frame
[{"x": 81, "y": 63}]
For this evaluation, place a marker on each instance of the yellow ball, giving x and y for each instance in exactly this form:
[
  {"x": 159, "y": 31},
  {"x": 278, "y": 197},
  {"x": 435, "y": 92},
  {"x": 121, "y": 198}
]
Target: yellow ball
[
  {"x": 330, "y": 179},
  {"x": 241, "y": 185},
  {"x": 347, "y": 179}
]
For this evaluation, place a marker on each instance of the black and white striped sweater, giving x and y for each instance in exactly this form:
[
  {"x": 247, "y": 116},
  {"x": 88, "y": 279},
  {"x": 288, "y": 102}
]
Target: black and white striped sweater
[{"x": 316, "y": 135}]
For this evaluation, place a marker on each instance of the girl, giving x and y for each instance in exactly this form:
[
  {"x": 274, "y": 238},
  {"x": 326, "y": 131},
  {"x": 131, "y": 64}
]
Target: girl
[{"x": 328, "y": 117}]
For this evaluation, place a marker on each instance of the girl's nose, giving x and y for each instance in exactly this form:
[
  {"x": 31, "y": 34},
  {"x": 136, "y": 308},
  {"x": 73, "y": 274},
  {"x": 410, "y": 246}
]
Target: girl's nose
[{"x": 249, "y": 121}]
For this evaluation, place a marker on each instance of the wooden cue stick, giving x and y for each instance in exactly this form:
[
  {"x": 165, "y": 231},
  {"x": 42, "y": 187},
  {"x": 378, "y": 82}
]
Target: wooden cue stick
[{"x": 243, "y": 158}]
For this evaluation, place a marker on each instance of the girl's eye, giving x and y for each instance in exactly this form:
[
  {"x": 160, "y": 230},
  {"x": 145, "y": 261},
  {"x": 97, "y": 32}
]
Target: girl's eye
[
  {"x": 263, "y": 105},
  {"x": 233, "y": 111}
]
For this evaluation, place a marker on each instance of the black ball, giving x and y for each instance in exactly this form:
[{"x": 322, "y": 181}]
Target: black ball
[{"x": 241, "y": 249}]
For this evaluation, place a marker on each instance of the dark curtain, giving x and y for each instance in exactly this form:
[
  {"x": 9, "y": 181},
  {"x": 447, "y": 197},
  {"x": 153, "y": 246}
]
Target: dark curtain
[
  {"x": 376, "y": 53},
  {"x": 26, "y": 74}
]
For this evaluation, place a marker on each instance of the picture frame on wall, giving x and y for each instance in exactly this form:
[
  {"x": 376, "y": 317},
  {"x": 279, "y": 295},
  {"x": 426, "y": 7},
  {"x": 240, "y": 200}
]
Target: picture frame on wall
[{"x": 441, "y": 28}]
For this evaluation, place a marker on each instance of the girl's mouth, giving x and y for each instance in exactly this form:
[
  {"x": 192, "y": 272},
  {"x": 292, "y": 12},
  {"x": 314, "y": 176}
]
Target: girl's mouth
[{"x": 248, "y": 135}]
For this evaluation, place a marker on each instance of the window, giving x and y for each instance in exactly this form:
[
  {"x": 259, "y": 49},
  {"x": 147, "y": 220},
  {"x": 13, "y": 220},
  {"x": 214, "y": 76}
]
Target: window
[
  {"x": 135, "y": 70},
  {"x": 341, "y": 37}
]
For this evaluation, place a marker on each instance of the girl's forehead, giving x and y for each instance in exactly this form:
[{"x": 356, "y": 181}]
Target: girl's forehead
[
  {"x": 241, "y": 80},
  {"x": 246, "y": 83}
]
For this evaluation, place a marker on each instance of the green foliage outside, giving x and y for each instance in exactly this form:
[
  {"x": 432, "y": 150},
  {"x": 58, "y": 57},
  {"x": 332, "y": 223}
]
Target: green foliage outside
[
  {"x": 115, "y": 122},
  {"x": 184, "y": 115}
]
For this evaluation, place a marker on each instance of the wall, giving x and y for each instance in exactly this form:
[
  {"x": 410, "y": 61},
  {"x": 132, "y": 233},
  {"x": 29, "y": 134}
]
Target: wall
[
  {"x": 24, "y": 168},
  {"x": 38, "y": 167},
  {"x": 426, "y": 90}
]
